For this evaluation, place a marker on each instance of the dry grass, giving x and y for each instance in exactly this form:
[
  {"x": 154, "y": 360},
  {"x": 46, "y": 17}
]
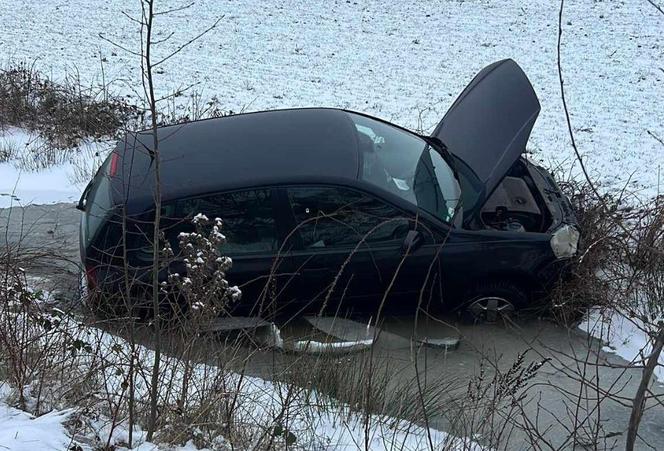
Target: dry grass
[{"x": 62, "y": 113}]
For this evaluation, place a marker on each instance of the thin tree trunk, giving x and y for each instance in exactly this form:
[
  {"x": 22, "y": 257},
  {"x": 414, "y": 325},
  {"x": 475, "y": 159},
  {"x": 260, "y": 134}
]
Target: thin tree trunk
[
  {"x": 131, "y": 400},
  {"x": 640, "y": 397},
  {"x": 154, "y": 387}
]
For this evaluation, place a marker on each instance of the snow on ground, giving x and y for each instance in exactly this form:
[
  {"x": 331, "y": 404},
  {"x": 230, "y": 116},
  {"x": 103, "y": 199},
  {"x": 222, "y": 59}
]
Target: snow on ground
[
  {"x": 622, "y": 336},
  {"x": 403, "y": 61},
  {"x": 21, "y": 183},
  {"x": 316, "y": 422},
  {"x": 20, "y": 431}
]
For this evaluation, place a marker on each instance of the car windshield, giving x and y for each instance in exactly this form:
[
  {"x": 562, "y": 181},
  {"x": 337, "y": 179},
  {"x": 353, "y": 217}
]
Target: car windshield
[{"x": 404, "y": 164}]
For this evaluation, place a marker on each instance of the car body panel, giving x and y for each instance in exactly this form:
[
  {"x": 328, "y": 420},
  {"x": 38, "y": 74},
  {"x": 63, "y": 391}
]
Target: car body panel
[
  {"x": 490, "y": 122},
  {"x": 229, "y": 152},
  {"x": 557, "y": 203}
]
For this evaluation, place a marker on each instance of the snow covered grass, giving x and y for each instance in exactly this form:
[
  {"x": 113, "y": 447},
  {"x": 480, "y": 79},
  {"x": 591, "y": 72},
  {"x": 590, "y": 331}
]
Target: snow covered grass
[
  {"x": 405, "y": 62},
  {"x": 35, "y": 173},
  {"x": 20, "y": 431}
]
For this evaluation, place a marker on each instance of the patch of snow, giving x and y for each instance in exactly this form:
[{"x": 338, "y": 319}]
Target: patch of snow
[
  {"x": 23, "y": 188},
  {"x": 20, "y": 431},
  {"x": 61, "y": 182},
  {"x": 199, "y": 217},
  {"x": 623, "y": 336}
]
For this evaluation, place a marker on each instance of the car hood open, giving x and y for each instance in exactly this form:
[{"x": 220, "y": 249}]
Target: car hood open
[{"x": 490, "y": 122}]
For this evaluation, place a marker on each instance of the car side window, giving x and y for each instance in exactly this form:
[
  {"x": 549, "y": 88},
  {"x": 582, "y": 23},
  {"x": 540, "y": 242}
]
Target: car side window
[
  {"x": 333, "y": 217},
  {"x": 248, "y": 219}
]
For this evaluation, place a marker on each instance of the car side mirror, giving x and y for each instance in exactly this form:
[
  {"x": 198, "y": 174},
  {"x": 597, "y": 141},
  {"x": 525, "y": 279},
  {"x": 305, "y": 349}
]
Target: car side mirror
[
  {"x": 82, "y": 202},
  {"x": 412, "y": 241}
]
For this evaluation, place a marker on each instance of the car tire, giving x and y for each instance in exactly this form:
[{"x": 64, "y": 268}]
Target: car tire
[{"x": 488, "y": 301}]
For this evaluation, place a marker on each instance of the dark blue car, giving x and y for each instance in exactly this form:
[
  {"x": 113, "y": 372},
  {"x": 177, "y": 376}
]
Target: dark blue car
[{"x": 328, "y": 209}]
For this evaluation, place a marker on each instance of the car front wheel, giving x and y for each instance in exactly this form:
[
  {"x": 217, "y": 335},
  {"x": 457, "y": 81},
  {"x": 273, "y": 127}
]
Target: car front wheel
[{"x": 489, "y": 301}]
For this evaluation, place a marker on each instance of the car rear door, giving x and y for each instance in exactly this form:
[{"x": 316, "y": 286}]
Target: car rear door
[{"x": 253, "y": 240}]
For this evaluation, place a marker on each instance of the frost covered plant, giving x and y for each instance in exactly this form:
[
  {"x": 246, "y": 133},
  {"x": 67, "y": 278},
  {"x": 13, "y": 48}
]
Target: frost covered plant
[
  {"x": 204, "y": 288},
  {"x": 34, "y": 346}
]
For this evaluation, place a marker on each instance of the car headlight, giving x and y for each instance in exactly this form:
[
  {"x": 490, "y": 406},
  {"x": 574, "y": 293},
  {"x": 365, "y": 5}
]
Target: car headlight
[{"x": 565, "y": 241}]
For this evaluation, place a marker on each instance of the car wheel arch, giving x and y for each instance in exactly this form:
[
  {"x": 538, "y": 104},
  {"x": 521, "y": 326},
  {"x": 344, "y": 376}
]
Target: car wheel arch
[{"x": 522, "y": 284}]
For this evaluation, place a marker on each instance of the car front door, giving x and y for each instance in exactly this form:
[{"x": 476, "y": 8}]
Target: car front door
[{"x": 346, "y": 247}]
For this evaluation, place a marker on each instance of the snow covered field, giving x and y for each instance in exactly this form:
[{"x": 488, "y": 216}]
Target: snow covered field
[{"x": 402, "y": 61}]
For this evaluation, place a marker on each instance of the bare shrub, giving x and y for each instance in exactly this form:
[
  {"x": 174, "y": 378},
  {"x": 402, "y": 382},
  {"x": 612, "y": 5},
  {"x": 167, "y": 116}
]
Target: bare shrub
[
  {"x": 8, "y": 151},
  {"x": 490, "y": 405},
  {"x": 39, "y": 346},
  {"x": 204, "y": 287},
  {"x": 619, "y": 264},
  {"x": 184, "y": 107},
  {"x": 62, "y": 113},
  {"x": 585, "y": 286}
]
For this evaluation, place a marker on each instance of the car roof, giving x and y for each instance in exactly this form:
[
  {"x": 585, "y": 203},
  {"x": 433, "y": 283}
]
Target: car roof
[{"x": 233, "y": 152}]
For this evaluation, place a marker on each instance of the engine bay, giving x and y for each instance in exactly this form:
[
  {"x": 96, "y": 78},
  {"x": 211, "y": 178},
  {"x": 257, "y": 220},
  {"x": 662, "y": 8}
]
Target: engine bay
[{"x": 516, "y": 205}]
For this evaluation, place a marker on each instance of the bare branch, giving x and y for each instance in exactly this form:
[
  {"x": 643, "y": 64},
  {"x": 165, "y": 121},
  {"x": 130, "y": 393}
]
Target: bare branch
[
  {"x": 124, "y": 49},
  {"x": 189, "y": 42},
  {"x": 659, "y": 8},
  {"x": 563, "y": 98},
  {"x": 660, "y": 140},
  {"x": 173, "y": 10},
  {"x": 131, "y": 18},
  {"x": 161, "y": 41}
]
